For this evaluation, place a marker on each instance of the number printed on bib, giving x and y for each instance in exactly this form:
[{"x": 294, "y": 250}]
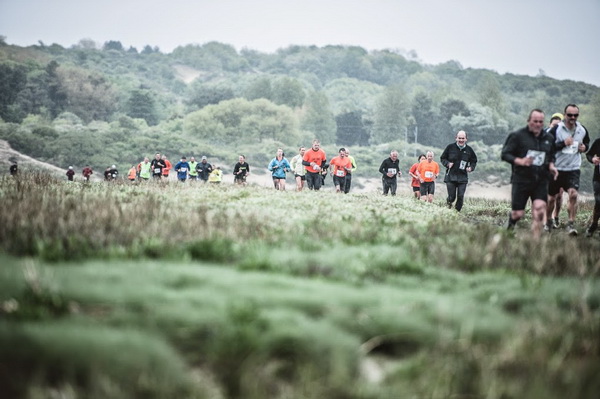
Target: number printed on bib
[
  {"x": 428, "y": 174},
  {"x": 463, "y": 165},
  {"x": 571, "y": 149},
  {"x": 157, "y": 170},
  {"x": 340, "y": 173},
  {"x": 538, "y": 157}
]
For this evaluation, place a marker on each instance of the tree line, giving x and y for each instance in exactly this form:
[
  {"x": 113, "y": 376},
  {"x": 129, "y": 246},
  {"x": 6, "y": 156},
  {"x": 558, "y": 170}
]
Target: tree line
[{"x": 340, "y": 94}]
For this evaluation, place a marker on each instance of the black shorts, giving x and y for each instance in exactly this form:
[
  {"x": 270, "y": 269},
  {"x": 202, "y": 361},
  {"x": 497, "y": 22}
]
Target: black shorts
[
  {"x": 302, "y": 177},
  {"x": 416, "y": 188},
  {"x": 521, "y": 192},
  {"x": 566, "y": 180},
  {"x": 427, "y": 187},
  {"x": 339, "y": 181},
  {"x": 278, "y": 178}
]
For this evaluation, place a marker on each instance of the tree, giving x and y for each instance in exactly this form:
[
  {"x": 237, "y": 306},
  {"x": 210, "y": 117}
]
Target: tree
[
  {"x": 351, "y": 129},
  {"x": 240, "y": 121},
  {"x": 490, "y": 95},
  {"x": 113, "y": 45},
  {"x": 200, "y": 94},
  {"x": 390, "y": 116},
  {"x": 347, "y": 95},
  {"x": 449, "y": 108},
  {"x": 13, "y": 79},
  {"x": 425, "y": 120},
  {"x": 318, "y": 118},
  {"x": 288, "y": 91},
  {"x": 142, "y": 105},
  {"x": 259, "y": 88},
  {"x": 89, "y": 96},
  {"x": 481, "y": 125}
]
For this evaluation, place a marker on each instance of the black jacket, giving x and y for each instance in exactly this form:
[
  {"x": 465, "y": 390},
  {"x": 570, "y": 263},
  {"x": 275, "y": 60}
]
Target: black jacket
[
  {"x": 388, "y": 164},
  {"x": 204, "y": 170},
  {"x": 518, "y": 144},
  {"x": 461, "y": 159},
  {"x": 594, "y": 150}
]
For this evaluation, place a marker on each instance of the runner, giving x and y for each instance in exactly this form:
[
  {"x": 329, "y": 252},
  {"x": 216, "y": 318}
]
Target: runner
[
  {"x": 70, "y": 173},
  {"x": 278, "y": 167},
  {"x": 341, "y": 166},
  {"x": 314, "y": 160},
  {"x": 14, "y": 169},
  {"x": 390, "y": 170},
  {"x": 571, "y": 139},
  {"x": 460, "y": 160},
  {"x": 157, "y": 165},
  {"x": 299, "y": 170},
  {"x": 182, "y": 168},
  {"x": 132, "y": 174},
  {"x": 593, "y": 156},
  {"x": 87, "y": 173},
  {"x": 428, "y": 171},
  {"x": 414, "y": 183},
  {"x": 167, "y": 168},
  {"x": 145, "y": 169},
  {"x": 216, "y": 175},
  {"x": 204, "y": 169},
  {"x": 349, "y": 175},
  {"x": 193, "y": 171},
  {"x": 241, "y": 170}
]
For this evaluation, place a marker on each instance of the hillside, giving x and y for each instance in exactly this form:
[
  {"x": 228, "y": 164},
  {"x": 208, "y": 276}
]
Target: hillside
[
  {"x": 8, "y": 156},
  {"x": 103, "y": 105}
]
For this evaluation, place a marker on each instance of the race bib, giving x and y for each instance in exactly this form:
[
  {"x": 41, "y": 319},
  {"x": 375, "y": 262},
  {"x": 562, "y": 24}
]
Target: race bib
[
  {"x": 462, "y": 165},
  {"x": 429, "y": 175},
  {"x": 340, "y": 173},
  {"x": 571, "y": 149},
  {"x": 157, "y": 170},
  {"x": 538, "y": 157},
  {"x": 183, "y": 170},
  {"x": 392, "y": 171}
]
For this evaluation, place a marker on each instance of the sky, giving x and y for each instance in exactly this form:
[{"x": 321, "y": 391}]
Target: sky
[{"x": 525, "y": 37}]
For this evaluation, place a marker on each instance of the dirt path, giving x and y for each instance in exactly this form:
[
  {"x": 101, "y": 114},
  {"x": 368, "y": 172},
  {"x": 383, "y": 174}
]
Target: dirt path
[
  {"x": 368, "y": 185},
  {"x": 25, "y": 162}
]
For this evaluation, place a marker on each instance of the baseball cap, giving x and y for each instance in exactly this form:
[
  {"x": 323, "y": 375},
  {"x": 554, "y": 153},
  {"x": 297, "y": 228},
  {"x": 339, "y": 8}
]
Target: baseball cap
[
  {"x": 203, "y": 157},
  {"x": 557, "y": 115}
]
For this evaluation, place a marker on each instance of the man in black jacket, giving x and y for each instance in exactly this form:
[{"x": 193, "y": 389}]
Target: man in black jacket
[
  {"x": 530, "y": 151},
  {"x": 459, "y": 160},
  {"x": 390, "y": 168},
  {"x": 593, "y": 156}
]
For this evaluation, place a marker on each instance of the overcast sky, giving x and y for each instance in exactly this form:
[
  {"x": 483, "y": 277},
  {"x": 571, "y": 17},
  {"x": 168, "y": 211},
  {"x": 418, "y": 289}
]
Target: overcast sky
[{"x": 562, "y": 38}]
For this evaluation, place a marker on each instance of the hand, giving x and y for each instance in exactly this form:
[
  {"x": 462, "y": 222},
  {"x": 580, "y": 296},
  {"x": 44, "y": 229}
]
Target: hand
[
  {"x": 581, "y": 147},
  {"x": 569, "y": 141},
  {"x": 450, "y": 165},
  {"x": 527, "y": 161},
  {"x": 596, "y": 160},
  {"x": 469, "y": 170},
  {"x": 553, "y": 171}
]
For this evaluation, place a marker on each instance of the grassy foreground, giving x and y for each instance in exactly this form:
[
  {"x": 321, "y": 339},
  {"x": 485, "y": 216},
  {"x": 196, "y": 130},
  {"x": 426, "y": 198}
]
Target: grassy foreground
[{"x": 227, "y": 292}]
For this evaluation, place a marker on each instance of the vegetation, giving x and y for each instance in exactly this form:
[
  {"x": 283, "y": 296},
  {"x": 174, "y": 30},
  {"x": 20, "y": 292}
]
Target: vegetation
[
  {"x": 181, "y": 290},
  {"x": 171, "y": 290},
  {"x": 105, "y": 105}
]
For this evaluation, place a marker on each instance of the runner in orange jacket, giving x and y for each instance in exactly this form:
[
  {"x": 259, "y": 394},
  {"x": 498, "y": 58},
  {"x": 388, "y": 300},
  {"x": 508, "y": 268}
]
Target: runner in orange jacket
[{"x": 166, "y": 170}]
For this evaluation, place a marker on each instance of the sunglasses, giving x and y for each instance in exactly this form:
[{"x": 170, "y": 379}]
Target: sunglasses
[{"x": 572, "y": 115}]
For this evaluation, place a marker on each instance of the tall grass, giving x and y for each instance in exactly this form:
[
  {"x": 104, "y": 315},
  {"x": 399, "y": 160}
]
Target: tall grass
[{"x": 170, "y": 290}]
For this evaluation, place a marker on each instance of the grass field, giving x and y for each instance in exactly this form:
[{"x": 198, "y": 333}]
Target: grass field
[{"x": 114, "y": 290}]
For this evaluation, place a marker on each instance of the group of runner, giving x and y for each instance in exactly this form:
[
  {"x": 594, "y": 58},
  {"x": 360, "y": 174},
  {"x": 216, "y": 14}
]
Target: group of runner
[{"x": 545, "y": 163}]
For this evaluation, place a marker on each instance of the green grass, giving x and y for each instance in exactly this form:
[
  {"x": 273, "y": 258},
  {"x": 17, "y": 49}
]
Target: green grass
[{"x": 228, "y": 292}]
